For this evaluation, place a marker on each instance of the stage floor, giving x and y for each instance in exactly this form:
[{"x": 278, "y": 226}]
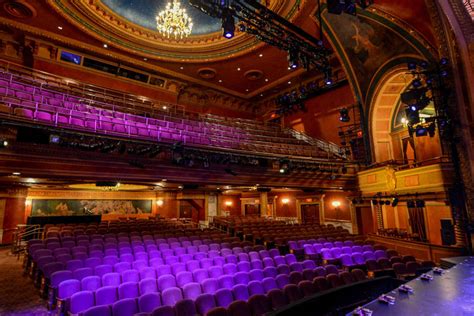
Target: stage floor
[{"x": 449, "y": 294}]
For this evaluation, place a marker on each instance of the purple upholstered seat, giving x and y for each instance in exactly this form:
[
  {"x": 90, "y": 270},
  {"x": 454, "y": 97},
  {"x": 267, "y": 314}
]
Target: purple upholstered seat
[
  {"x": 330, "y": 268},
  {"x": 210, "y": 285},
  {"x": 241, "y": 278},
  {"x": 215, "y": 271},
  {"x": 106, "y": 295},
  {"x": 223, "y": 297},
  {"x": 130, "y": 276},
  {"x": 226, "y": 281},
  {"x": 91, "y": 283},
  {"x": 81, "y": 301},
  {"x": 270, "y": 272},
  {"x": 185, "y": 307},
  {"x": 292, "y": 292},
  {"x": 171, "y": 296},
  {"x": 128, "y": 290},
  {"x": 125, "y": 307},
  {"x": 147, "y": 285},
  {"x": 163, "y": 311},
  {"x": 244, "y": 266},
  {"x": 191, "y": 290},
  {"x": 101, "y": 310},
  {"x": 240, "y": 292},
  {"x": 204, "y": 303},
  {"x": 166, "y": 281},
  {"x": 259, "y": 304},
  {"x": 183, "y": 278},
  {"x": 255, "y": 287},
  {"x": 199, "y": 275},
  {"x": 306, "y": 288},
  {"x": 282, "y": 280},
  {"x": 277, "y": 298},
  {"x": 148, "y": 302}
]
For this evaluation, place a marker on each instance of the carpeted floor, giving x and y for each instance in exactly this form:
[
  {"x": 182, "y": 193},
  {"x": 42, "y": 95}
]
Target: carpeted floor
[{"x": 18, "y": 296}]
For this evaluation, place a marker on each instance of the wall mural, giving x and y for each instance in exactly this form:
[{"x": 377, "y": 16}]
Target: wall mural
[
  {"x": 367, "y": 45},
  {"x": 89, "y": 207}
]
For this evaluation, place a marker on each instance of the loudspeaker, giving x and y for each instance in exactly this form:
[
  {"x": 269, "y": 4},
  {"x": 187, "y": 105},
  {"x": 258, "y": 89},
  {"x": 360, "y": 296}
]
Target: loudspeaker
[
  {"x": 336, "y": 6},
  {"x": 447, "y": 232}
]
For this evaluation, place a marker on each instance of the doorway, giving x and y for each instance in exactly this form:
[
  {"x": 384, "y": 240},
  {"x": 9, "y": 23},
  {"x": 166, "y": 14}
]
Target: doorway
[
  {"x": 252, "y": 209},
  {"x": 365, "y": 220},
  {"x": 310, "y": 213}
]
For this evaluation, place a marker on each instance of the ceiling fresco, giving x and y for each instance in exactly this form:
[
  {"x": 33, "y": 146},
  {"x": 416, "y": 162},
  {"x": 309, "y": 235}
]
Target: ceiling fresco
[{"x": 143, "y": 12}]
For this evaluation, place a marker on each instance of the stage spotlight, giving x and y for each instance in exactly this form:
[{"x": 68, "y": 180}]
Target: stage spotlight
[
  {"x": 410, "y": 204},
  {"x": 344, "y": 115},
  {"x": 3, "y": 143},
  {"x": 424, "y": 65},
  {"x": 228, "y": 24},
  {"x": 328, "y": 78},
  {"x": 293, "y": 60},
  {"x": 416, "y": 83},
  {"x": 444, "y": 61},
  {"x": 387, "y": 202},
  {"x": 375, "y": 202},
  {"x": 395, "y": 201},
  {"x": 444, "y": 73},
  {"x": 421, "y": 131},
  {"x": 411, "y": 66},
  {"x": 412, "y": 115}
]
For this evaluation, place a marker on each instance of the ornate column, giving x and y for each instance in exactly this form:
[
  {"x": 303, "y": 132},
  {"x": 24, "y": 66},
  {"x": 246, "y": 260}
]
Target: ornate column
[{"x": 263, "y": 203}]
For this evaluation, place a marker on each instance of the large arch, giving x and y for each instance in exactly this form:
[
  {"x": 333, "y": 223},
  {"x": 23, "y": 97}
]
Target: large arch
[{"x": 382, "y": 107}]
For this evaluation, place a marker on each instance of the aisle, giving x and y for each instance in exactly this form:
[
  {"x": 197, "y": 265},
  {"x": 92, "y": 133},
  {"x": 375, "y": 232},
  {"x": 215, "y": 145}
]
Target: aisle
[{"x": 18, "y": 296}]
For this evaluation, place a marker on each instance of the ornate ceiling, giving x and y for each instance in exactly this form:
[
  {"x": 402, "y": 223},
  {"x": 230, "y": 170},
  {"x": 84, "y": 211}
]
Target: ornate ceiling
[{"x": 241, "y": 67}]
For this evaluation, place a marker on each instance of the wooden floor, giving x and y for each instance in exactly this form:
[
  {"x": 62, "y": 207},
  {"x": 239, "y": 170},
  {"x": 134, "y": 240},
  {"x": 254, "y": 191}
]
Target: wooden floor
[{"x": 18, "y": 296}]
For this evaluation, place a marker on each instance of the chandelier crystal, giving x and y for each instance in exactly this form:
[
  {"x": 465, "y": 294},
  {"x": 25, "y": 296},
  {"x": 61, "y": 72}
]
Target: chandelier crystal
[{"x": 174, "y": 21}]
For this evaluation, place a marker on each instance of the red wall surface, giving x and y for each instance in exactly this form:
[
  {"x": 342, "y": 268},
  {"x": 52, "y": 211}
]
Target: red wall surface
[{"x": 322, "y": 116}]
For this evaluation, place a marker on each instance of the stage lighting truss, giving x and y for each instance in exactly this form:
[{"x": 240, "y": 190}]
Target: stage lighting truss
[
  {"x": 428, "y": 85},
  {"x": 268, "y": 27}
]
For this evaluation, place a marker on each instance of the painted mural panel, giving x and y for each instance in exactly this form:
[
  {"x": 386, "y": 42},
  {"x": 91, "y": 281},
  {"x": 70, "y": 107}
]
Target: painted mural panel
[
  {"x": 89, "y": 207},
  {"x": 367, "y": 44}
]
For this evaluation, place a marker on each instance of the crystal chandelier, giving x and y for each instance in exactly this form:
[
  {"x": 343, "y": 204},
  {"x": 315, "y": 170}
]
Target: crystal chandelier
[{"x": 174, "y": 21}]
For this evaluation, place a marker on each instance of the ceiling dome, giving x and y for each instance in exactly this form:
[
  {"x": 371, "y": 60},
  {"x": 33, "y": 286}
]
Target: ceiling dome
[
  {"x": 143, "y": 13},
  {"x": 130, "y": 25}
]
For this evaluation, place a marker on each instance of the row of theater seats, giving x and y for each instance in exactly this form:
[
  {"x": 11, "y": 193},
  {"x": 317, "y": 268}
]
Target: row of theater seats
[
  {"x": 134, "y": 262},
  {"x": 50, "y": 107},
  {"x": 242, "y": 300}
]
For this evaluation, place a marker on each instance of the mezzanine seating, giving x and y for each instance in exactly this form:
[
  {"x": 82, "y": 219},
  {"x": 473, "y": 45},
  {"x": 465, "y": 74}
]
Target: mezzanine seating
[{"x": 24, "y": 96}]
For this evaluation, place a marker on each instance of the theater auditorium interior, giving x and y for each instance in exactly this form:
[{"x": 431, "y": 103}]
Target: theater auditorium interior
[{"x": 236, "y": 157}]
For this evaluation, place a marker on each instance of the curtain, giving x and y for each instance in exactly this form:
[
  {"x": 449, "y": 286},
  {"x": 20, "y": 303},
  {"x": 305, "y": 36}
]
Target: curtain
[{"x": 417, "y": 222}]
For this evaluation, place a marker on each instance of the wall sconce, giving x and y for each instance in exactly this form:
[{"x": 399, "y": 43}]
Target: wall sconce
[
  {"x": 159, "y": 202},
  {"x": 285, "y": 201},
  {"x": 336, "y": 204},
  {"x": 28, "y": 202},
  {"x": 228, "y": 203}
]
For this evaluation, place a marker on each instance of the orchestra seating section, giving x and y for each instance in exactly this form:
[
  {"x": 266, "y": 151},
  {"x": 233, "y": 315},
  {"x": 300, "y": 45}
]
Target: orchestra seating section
[
  {"x": 279, "y": 232},
  {"x": 45, "y": 99},
  {"x": 149, "y": 267}
]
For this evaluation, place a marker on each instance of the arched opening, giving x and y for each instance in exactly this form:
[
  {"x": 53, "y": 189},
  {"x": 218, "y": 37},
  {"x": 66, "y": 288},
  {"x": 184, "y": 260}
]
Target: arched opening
[
  {"x": 391, "y": 140},
  {"x": 382, "y": 110}
]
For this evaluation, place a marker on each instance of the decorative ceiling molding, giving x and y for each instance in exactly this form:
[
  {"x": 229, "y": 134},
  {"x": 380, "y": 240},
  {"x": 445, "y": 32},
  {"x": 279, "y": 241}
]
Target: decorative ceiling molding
[
  {"x": 97, "y": 20},
  {"x": 19, "y": 9}
]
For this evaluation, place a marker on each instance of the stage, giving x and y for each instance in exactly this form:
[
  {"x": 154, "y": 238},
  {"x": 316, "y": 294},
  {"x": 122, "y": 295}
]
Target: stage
[{"x": 451, "y": 293}]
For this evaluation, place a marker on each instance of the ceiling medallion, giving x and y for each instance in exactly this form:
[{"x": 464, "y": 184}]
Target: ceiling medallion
[
  {"x": 207, "y": 73},
  {"x": 253, "y": 75},
  {"x": 174, "y": 21},
  {"x": 19, "y": 9}
]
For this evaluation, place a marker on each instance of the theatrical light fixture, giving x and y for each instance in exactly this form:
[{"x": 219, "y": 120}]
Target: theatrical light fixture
[
  {"x": 395, "y": 201},
  {"x": 293, "y": 58},
  {"x": 375, "y": 202},
  {"x": 3, "y": 143},
  {"x": 254, "y": 18},
  {"x": 228, "y": 24},
  {"x": 344, "y": 115}
]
